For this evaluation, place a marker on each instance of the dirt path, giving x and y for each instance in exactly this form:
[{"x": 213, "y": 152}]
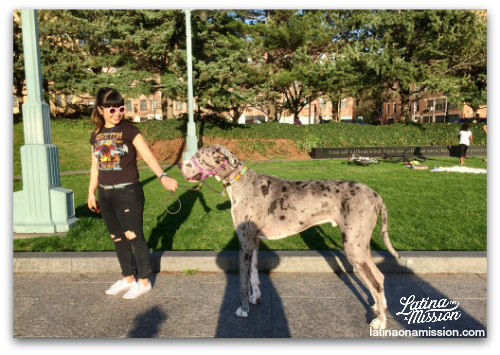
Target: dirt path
[{"x": 251, "y": 149}]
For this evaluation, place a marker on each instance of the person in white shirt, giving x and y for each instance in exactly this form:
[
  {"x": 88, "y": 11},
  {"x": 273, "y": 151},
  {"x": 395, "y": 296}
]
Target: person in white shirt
[{"x": 465, "y": 140}]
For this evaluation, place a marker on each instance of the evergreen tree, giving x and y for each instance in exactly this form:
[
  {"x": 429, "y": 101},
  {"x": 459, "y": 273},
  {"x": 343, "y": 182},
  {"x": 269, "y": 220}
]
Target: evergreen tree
[
  {"x": 415, "y": 52},
  {"x": 19, "y": 75}
]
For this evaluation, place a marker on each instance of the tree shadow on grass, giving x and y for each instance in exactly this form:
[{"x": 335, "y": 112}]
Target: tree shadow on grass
[{"x": 163, "y": 234}]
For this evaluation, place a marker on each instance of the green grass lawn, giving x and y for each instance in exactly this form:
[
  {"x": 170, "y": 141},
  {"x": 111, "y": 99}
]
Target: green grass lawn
[{"x": 427, "y": 211}]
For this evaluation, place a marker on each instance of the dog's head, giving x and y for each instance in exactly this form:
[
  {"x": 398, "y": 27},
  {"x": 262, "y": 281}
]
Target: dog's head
[{"x": 214, "y": 160}]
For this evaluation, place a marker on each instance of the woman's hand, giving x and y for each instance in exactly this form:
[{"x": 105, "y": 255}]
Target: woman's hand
[
  {"x": 92, "y": 203},
  {"x": 169, "y": 183}
]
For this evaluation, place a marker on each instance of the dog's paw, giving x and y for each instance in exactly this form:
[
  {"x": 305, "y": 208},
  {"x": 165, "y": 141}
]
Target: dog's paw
[
  {"x": 377, "y": 324},
  {"x": 375, "y": 308},
  {"x": 241, "y": 313},
  {"x": 253, "y": 299}
]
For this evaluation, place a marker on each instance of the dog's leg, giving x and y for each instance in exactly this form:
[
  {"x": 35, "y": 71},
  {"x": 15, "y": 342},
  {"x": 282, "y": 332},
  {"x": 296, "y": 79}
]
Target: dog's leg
[
  {"x": 254, "y": 275},
  {"x": 246, "y": 235},
  {"x": 356, "y": 246}
]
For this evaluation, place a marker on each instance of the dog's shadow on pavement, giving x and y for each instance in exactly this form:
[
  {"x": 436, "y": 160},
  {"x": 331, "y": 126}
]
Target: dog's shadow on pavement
[
  {"x": 267, "y": 318},
  {"x": 399, "y": 285}
]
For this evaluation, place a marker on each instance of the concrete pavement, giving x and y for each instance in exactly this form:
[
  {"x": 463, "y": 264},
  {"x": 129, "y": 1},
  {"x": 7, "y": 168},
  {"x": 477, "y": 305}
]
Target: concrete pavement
[{"x": 294, "y": 305}]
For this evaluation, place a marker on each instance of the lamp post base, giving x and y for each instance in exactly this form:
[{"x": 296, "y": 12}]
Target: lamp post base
[{"x": 43, "y": 206}]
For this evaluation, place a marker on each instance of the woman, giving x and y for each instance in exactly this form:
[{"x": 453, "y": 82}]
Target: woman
[
  {"x": 114, "y": 174},
  {"x": 465, "y": 139}
]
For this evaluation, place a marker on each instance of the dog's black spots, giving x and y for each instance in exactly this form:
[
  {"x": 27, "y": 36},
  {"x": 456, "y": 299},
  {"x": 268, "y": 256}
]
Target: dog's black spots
[
  {"x": 303, "y": 186},
  {"x": 189, "y": 165},
  {"x": 337, "y": 190},
  {"x": 353, "y": 193},
  {"x": 384, "y": 220},
  {"x": 272, "y": 207},
  {"x": 324, "y": 204},
  {"x": 357, "y": 187},
  {"x": 359, "y": 245},
  {"x": 344, "y": 237},
  {"x": 370, "y": 277},
  {"x": 302, "y": 211},
  {"x": 283, "y": 189},
  {"x": 325, "y": 195},
  {"x": 265, "y": 190},
  {"x": 247, "y": 218},
  {"x": 323, "y": 188},
  {"x": 298, "y": 182},
  {"x": 301, "y": 223},
  {"x": 282, "y": 201},
  {"x": 375, "y": 194},
  {"x": 282, "y": 218}
]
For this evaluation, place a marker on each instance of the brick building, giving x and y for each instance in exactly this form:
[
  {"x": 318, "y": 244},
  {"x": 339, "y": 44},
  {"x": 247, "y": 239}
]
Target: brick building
[{"x": 430, "y": 109}]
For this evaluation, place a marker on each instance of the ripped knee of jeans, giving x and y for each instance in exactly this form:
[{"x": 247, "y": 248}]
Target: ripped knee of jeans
[
  {"x": 130, "y": 235},
  {"x": 115, "y": 239}
]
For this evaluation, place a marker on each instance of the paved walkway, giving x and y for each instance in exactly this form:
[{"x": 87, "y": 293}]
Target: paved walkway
[{"x": 294, "y": 305}]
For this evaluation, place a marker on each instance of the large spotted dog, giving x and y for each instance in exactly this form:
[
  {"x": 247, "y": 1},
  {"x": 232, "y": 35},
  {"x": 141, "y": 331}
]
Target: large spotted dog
[{"x": 264, "y": 206}]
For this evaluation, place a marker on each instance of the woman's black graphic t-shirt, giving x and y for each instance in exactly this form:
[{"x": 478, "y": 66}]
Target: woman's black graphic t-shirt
[{"x": 116, "y": 154}]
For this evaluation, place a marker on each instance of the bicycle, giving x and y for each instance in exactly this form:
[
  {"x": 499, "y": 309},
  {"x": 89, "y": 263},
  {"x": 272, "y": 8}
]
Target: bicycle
[
  {"x": 407, "y": 158},
  {"x": 362, "y": 160}
]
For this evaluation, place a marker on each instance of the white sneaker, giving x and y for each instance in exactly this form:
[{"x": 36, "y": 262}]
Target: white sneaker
[
  {"x": 119, "y": 286},
  {"x": 137, "y": 289}
]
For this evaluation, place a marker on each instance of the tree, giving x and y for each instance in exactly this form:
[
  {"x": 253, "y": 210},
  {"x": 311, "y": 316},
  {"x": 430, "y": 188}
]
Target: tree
[
  {"x": 19, "y": 75},
  {"x": 415, "y": 52}
]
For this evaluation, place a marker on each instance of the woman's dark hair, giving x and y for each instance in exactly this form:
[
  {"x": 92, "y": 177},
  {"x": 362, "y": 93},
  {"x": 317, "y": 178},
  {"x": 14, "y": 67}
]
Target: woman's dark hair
[
  {"x": 105, "y": 97},
  {"x": 465, "y": 127}
]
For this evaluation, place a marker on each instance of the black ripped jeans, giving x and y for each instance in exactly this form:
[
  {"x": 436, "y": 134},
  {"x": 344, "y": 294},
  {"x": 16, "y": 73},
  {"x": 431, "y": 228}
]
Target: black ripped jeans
[{"x": 122, "y": 211}]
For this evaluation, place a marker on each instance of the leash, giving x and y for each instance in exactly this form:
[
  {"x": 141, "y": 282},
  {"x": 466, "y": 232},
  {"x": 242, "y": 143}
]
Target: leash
[{"x": 189, "y": 189}]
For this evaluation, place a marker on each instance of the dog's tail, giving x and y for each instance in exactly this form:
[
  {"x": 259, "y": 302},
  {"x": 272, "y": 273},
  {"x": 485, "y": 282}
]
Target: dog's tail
[{"x": 385, "y": 233}]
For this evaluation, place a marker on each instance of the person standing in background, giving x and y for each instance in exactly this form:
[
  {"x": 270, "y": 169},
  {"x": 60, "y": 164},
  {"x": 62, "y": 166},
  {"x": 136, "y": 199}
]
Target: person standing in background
[{"x": 465, "y": 140}]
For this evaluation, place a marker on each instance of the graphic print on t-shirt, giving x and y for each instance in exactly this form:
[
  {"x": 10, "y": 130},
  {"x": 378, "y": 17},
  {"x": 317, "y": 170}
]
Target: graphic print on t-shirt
[{"x": 108, "y": 151}]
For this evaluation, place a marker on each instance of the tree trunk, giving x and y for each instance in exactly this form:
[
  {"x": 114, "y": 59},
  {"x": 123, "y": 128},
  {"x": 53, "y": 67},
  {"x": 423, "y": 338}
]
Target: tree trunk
[
  {"x": 20, "y": 99},
  {"x": 405, "y": 107},
  {"x": 167, "y": 107},
  {"x": 272, "y": 110}
]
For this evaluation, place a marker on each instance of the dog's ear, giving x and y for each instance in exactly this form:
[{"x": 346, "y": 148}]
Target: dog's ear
[{"x": 232, "y": 160}]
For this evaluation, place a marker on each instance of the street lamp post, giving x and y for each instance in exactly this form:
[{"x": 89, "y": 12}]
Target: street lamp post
[
  {"x": 191, "y": 139},
  {"x": 42, "y": 206}
]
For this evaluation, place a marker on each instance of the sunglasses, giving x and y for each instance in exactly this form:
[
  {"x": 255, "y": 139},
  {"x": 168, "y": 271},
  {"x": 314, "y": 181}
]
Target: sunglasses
[{"x": 112, "y": 110}]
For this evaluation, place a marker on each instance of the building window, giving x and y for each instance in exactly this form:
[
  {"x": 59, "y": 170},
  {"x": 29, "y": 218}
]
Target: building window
[
  {"x": 58, "y": 100},
  {"x": 129, "y": 105},
  {"x": 321, "y": 103},
  {"x": 417, "y": 106},
  {"x": 452, "y": 106},
  {"x": 68, "y": 99},
  {"x": 343, "y": 103},
  {"x": 144, "y": 105},
  {"x": 441, "y": 104},
  {"x": 387, "y": 110},
  {"x": 394, "y": 108},
  {"x": 331, "y": 104},
  {"x": 178, "y": 105},
  {"x": 307, "y": 103},
  {"x": 16, "y": 102},
  {"x": 153, "y": 104},
  {"x": 430, "y": 104},
  {"x": 440, "y": 119}
]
